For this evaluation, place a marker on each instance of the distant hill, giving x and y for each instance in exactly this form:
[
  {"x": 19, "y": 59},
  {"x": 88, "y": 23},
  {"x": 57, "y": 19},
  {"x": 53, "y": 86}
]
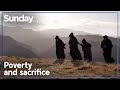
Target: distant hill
[
  {"x": 12, "y": 47},
  {"x": 20, "y": 34},
  {"x": 23, "y": 35},
  {"x": 62, "y": 32}
]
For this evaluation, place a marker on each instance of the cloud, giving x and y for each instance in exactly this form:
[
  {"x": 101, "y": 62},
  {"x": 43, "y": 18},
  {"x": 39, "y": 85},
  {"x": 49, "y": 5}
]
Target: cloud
[
  {"x": 36, "y": 21},
  {"x": 98, "y": 23},
  {"x": 98, "y": 27}
]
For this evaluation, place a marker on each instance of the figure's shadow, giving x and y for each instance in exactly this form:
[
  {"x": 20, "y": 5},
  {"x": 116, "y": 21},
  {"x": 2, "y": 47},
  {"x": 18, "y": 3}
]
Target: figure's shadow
[
  {"x": 58, "y": 62},
  {"x": 76, "y": 63}
]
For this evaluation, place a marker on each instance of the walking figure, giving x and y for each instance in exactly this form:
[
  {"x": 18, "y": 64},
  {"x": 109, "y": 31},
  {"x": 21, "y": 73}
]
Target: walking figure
[
  {"x": 86, "y": 47},
  {"x": 60, "y": 46},
  {"x": 74, "y": 51},
  {"x": 106, "y": 45}
]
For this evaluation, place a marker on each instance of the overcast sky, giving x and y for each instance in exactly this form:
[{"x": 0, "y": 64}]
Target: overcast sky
[{"x": 96, "y": 23}]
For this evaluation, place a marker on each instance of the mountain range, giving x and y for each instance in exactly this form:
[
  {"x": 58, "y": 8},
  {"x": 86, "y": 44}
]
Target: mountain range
[
  {"x": 26, "y": 42},
  {"x": 11, "y": 47}
]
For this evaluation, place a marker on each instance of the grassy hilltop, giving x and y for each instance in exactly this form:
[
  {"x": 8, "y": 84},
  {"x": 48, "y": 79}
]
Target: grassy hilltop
[{"x": 68, "y": 67}]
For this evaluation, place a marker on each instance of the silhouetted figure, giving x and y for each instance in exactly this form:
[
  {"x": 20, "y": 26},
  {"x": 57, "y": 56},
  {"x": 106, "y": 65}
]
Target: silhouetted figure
[
  {"x": 60, "y": 46},
  {"x": 86, "y": 47},
  {"x": 74, "y": 51},
  {"x": 106, "y": 44}
]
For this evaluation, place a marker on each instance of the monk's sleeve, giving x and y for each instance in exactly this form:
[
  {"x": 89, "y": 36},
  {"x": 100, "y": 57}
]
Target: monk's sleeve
[
  {"x": 111, "y": 45},
  {"x": 102, "y": 44}
]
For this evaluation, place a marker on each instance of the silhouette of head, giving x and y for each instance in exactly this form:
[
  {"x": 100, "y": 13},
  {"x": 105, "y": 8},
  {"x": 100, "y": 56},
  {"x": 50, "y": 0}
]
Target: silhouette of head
[
  {"x": 105, "y": 37},
  {"x": 71, "y": 35},
  {"x": 83, "y": 41},
  {"x": 56, "y": 37}
]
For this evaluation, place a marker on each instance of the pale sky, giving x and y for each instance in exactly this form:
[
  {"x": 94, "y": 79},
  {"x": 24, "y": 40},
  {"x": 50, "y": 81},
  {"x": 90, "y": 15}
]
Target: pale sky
[{"x": 96, "y": 23}]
